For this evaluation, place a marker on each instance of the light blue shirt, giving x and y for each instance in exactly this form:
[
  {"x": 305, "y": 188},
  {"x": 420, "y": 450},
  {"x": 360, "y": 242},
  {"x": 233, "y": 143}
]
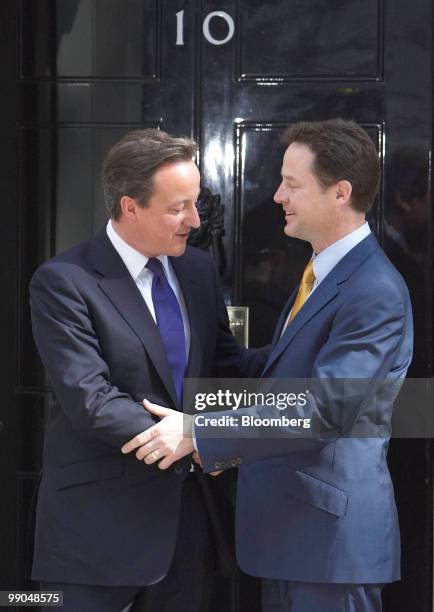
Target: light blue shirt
[{"x": 324, "y": 262}]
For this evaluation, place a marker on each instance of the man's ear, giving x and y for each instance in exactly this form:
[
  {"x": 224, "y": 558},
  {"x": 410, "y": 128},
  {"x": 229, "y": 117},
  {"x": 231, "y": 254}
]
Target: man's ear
[
  {"x": 128, "y": 206},
  {"x": 343, "y": 190}
]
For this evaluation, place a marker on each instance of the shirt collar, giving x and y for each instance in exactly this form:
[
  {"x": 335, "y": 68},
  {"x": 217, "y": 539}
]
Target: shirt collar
[
  {"x": 133, "y": 259},
  {"x": 325, "y": 261}
]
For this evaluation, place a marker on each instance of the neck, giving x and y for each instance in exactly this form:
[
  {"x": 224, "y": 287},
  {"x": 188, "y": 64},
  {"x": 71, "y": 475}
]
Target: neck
[
  {"x": 128, "y": 236},
  {"x": 337, "y": 233}
]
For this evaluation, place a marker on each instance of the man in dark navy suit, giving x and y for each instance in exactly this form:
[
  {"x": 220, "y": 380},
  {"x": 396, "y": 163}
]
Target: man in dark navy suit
[
  {"x": 316, "y": 515},
  {"x": 116, "y": 319}
]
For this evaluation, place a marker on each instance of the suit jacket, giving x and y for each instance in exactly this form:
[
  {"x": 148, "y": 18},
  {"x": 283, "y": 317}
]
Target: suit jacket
[
  {"x": 104, "y": 518},
  {"x": 320, "y": 508}
]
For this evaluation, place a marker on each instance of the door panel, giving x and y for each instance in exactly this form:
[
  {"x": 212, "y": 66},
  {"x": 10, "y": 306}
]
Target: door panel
[{"x": 315, "y": 40}]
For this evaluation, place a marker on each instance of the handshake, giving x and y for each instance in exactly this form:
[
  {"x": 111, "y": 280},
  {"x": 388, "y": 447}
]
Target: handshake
[{"x": 166, "y": 441}]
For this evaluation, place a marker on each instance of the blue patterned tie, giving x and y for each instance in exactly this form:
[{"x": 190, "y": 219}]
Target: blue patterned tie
[{"x": 169, "y": 322}]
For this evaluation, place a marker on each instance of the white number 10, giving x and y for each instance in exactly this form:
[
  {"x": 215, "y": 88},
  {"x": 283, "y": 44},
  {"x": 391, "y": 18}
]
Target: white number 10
[{"x": 205, "y": 28}]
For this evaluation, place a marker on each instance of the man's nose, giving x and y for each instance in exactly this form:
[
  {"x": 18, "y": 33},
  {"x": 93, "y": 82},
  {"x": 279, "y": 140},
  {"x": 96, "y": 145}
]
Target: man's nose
[
  {"x": 279, "y": 196},
  {"x": 193, "y": 219}
]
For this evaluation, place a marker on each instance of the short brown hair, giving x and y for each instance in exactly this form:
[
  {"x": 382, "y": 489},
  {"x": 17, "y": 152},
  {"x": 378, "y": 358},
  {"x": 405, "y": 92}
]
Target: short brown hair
[
  {"x": 343, "y": 151},
  {"x": 131, "y": 163}
]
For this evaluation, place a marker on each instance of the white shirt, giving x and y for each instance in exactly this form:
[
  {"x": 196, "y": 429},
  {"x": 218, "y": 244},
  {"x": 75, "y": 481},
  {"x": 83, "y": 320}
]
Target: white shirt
[
  {"x": 135, "y": 263},
  {"x": 324, "y": 262}
]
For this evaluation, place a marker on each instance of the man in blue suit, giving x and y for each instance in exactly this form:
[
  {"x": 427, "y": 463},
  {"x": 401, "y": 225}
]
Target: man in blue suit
[
  {"x": 316, "y": 516},
  {"x": 121, "y": 317}
]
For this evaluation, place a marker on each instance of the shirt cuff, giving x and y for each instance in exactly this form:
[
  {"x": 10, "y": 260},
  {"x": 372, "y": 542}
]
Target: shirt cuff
[{"x": 193, "y": 434}]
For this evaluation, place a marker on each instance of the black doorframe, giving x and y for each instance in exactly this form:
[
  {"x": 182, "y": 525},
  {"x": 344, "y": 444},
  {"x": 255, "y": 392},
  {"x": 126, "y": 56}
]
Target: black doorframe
[{"x": 9, "y": 432}]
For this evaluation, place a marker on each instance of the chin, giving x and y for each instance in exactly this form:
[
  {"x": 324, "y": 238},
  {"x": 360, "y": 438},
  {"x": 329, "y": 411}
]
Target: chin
[
  {"x": 177, "y": 250},
  {"x": 288, "y": 231}
]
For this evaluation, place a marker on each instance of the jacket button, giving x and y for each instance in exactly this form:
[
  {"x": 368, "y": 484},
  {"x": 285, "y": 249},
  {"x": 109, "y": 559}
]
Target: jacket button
[{"x": 178, "y": 470}]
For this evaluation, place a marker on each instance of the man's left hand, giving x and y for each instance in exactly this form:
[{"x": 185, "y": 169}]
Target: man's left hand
[{"x": 165, "y": 442}]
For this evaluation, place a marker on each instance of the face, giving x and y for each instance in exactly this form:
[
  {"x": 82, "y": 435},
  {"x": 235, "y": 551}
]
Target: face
[
  {"x": 310, "y": 211},
  {"x": 163, "y": 226}
]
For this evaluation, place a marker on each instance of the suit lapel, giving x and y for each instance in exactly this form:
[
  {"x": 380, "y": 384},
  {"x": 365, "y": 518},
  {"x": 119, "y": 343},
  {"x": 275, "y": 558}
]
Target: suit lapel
[
  {"x": 191, "y": 292},
  {"x": 284, "y": 315},
  {"x": 122, "y": 291},
  {"x": 326, "y": 291}
]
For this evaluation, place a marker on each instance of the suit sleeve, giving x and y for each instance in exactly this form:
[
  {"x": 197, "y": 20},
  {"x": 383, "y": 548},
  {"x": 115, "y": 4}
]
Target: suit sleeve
[
  {"x": 70, "y": 351},
  {"x": 362, "y": 346}
]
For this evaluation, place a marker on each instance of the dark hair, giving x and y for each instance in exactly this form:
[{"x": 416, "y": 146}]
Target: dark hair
[
  {"x": 343, "y": 151},
  {"x": 131, "y": 163}
]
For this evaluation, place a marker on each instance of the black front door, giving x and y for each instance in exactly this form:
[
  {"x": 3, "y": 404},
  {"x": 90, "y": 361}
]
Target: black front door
[{"x": 231, "y": 74}]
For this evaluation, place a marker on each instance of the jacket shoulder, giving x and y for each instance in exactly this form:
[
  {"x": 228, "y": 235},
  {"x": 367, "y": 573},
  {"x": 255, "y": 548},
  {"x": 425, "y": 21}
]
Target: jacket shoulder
[
  {"x": 74, "y": 258},
  {"x": 198, "y": 259},
  {"x": 196, "y": 254},
  {"x": 382, "y": 272}
]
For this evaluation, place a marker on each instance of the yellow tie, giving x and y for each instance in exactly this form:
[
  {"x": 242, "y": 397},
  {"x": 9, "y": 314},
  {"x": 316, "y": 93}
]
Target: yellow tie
[{"x": 304, "y": 290}]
